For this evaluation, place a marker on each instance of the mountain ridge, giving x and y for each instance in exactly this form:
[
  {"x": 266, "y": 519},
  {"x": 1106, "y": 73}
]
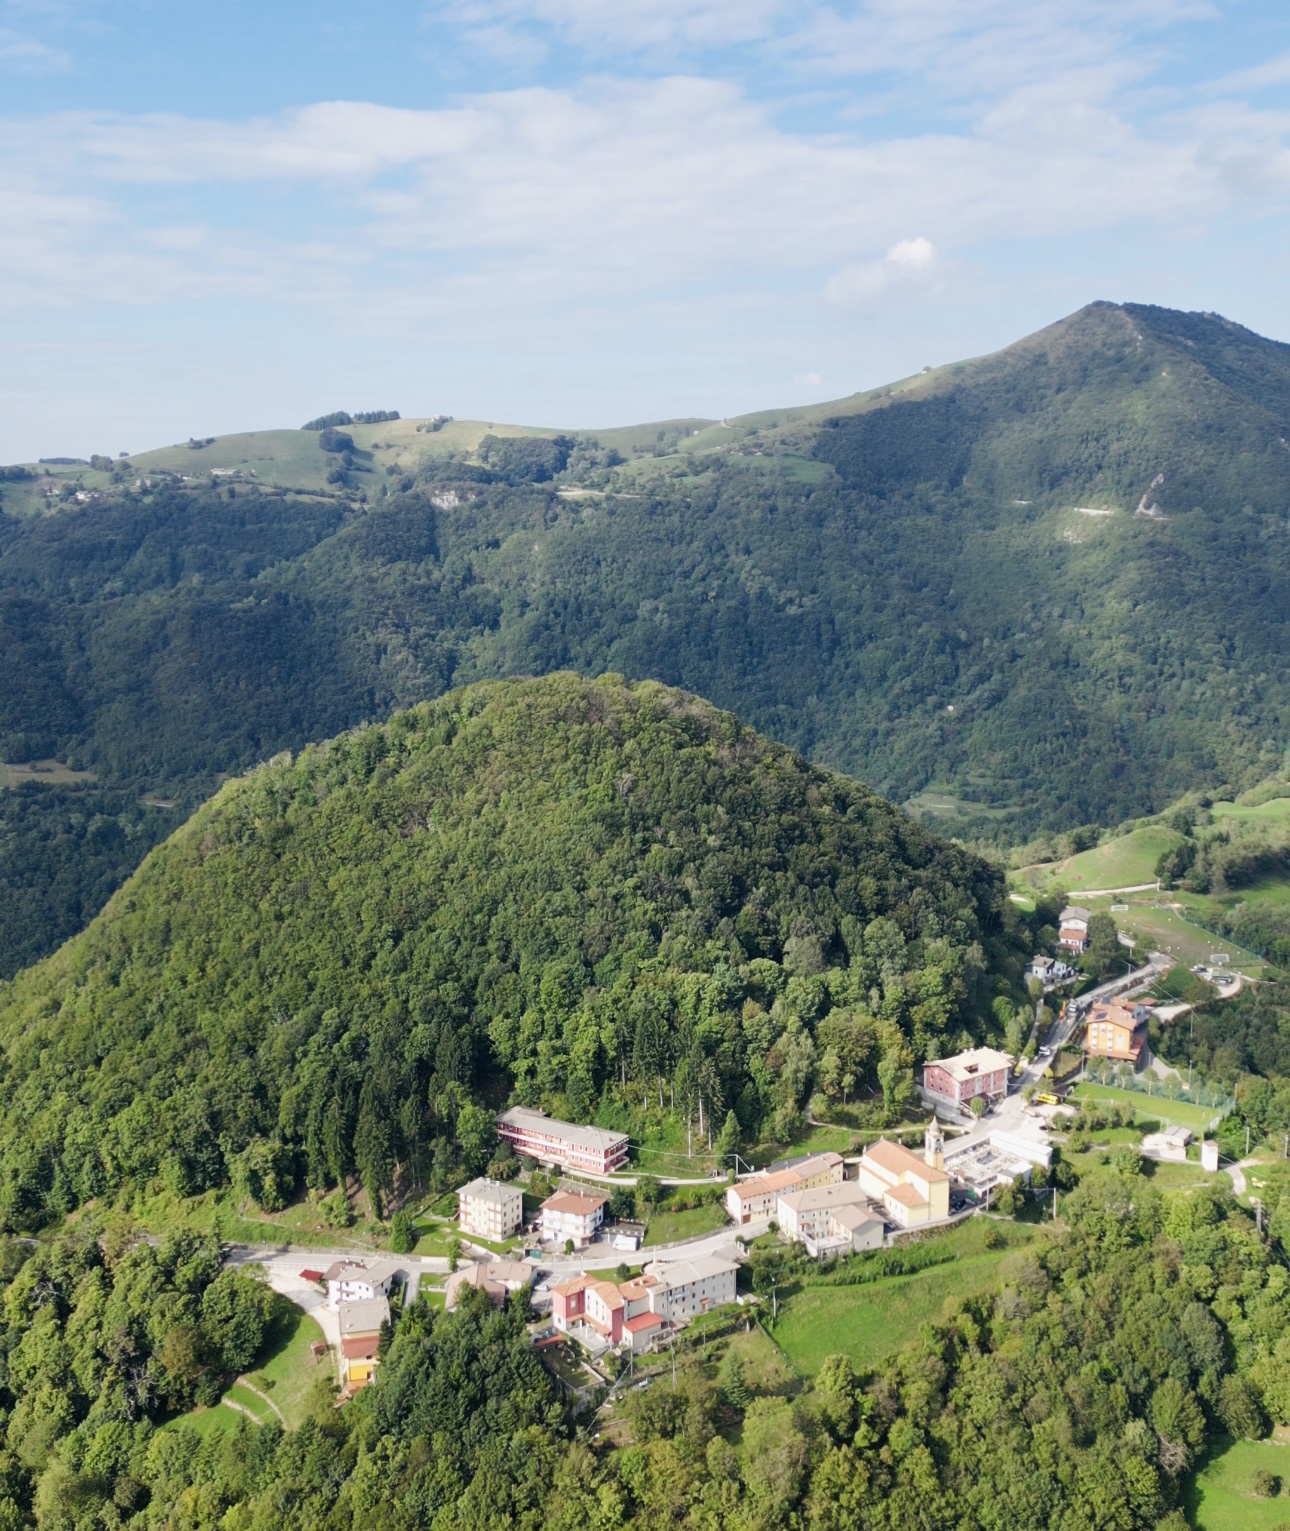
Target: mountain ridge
[{"x": 944, "y": 586}]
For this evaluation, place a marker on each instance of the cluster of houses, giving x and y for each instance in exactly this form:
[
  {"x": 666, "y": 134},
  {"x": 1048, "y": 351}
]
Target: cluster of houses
[
  {"x": 358, "y": 1292},
  {"x": 494, "y": 1209},
  {"x": 635, "y": 1314}
]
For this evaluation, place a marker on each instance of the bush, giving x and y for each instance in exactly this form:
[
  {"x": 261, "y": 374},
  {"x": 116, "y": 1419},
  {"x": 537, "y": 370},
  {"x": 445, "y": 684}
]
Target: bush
[
  {"x": 403, "y": 1233},
  {"x": 1265, "y": 1485}
]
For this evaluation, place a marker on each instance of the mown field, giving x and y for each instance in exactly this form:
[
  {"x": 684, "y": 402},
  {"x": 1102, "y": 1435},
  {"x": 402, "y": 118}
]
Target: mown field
[{"x": 1219, "y": 1495}]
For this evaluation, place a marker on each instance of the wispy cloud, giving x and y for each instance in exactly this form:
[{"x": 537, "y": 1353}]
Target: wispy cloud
[{"x": 20, "y": 50}]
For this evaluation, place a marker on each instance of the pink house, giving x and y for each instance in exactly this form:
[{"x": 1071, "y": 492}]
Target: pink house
[
  {"x": 619, "y": 1314},
  {"x": 982, "y": 1071}
]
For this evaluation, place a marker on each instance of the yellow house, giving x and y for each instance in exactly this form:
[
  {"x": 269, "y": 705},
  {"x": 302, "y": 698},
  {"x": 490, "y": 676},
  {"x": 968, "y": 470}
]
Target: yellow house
[
  {"x": 912, "y": 1190},
  {"x": 360, "y": 1337}
]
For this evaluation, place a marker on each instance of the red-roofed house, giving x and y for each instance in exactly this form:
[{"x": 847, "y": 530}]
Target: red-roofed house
[{"x": 572, "y": 1216}]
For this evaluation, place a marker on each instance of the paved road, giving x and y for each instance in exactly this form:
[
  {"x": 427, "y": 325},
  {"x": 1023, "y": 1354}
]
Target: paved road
[{"x": 1010, "y": 1115}]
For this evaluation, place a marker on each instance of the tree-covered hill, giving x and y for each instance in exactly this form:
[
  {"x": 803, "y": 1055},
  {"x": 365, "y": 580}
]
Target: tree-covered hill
[
  {"x": 605, "y": 899},
  {"x": 1036, "y": 590}
]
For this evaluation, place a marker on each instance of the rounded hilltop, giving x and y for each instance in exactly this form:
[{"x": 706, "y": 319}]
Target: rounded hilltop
[{"x": 555, "y": 890}]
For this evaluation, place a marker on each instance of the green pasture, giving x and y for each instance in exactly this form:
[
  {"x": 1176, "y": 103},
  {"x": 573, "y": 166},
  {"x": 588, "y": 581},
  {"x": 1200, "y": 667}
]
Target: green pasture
[
  {"x": 1168, "y": 930},
  {"x": 1120, "y": 863},
  {"x": 289, "y": 1372},
  {"x": 1218, "y": 1495},
  {"x": 869, "y": 1322}
]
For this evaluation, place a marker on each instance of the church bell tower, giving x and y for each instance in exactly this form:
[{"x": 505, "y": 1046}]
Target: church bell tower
[{"x": 934, "y": 1144}]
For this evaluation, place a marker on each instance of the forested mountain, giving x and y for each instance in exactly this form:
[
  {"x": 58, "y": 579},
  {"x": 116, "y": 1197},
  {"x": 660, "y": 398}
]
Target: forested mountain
[
  {"x": 1044, "y": 588},
  {"x": 609, "y": 900}
]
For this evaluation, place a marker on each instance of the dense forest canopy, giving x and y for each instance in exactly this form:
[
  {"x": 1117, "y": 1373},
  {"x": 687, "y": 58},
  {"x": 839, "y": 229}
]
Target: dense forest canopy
[
  {"x": 1050, "y": 585},
  {"x": 585, "y": 895}
]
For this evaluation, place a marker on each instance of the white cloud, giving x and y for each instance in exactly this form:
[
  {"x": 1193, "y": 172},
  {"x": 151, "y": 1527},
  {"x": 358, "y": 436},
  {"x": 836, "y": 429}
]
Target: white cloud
[
  {"x": 908, "y": 263},
  {"x": 19, "y": 50}
]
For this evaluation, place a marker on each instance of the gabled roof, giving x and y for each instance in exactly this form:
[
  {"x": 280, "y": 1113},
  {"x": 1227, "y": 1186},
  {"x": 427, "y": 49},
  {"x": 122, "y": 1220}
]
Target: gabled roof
[
  {"x": 841, "y": 1194},
  {"x": 608, "y": 1294},
  {"x": 643, "y": 1321},
  {"x": 897, "y": 1160},
  {"x": 1074, "y": 912},
  {"x": 495, "y": 1191},
  {"x": 596, "y": 1138},
  {"x": 854, "y": 1216},
  {"x": 906, "y": 1195}
]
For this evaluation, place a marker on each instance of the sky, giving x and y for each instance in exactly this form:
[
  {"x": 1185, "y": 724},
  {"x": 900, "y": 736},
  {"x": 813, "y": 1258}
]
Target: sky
[{"x": 579, "y": 213}]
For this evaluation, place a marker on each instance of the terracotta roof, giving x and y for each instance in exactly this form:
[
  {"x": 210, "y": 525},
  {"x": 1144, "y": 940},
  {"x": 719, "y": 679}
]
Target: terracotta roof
[
  {"x": 906, "y": 1195},
  {"x": 360, "y": 1348},
  {"x": 573, "y": 1286},
  {"x": 897, "y": 1160},
  {"x": 643, "y": 1321},
  {"x": 311, "y": 1275},
  {"x": 574, "y": 1202},
  {"x": 639, "y": 1286},
  {"x": 608, "y": 1294},
  {"x": 765, "y": 1185}
]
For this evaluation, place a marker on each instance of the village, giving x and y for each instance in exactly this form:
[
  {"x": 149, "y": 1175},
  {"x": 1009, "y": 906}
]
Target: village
[{"x": 599, "y": 1303}]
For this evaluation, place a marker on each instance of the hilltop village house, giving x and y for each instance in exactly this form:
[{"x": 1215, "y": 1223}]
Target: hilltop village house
[
  {"x": 349, "y": 1281},
  {"x": 590, "y": 1149},
  {"x": 830, "y": 1219},
  {"x": 1072, "y": 932},
  {"x": 360, "y": 1337},
  {"x": 636, "y": 1313},
  {"x": 1117, "y": 1031},
  {"x": 911, "y": 1190},
  {"x": 981, "y": 1072},
  {"x": 493, "y": 1209},
  {"x": 756, "y": 1196},
  {"x": 572, "y": 1217},
  {"x": 497, "y": 1278}
]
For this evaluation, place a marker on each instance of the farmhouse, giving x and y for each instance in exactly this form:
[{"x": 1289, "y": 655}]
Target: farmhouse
[
  {"x": 491, "y": 1208},
  {"x": 360, "y": 1337},
  {"x": 981, "y": 1072},
  {"x": 1117, "y": 1031},
  {"x": 549, "y": 1141},
  {"x": 1072, "y": 932},
  {"x": 572, "y": 1217},
  {"x": 911, "y": 1190},
  {"x": 756, "y": 1196}
]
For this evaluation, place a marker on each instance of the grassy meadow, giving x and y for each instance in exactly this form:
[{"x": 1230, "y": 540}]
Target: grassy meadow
[{"x": 1219, "y": 1495}]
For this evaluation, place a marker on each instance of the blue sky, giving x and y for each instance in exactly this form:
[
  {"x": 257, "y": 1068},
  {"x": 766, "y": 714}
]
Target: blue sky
[{"x": 581, "y": 213}]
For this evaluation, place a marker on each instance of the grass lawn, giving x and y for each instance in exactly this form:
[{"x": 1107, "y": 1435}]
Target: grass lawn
[
  {"x": 288, "y": 1371},
  {"x": 1177, "y": 1113},
  {"x": 869, "y": 1322},
  {"x": 764, "y": 1368},
  {"x": 1218, "y": 1496},
  {"x": 1120, "y": 863},
  {"x": 665, "y": 1227},
  {"x": 1169, "y": 931}
]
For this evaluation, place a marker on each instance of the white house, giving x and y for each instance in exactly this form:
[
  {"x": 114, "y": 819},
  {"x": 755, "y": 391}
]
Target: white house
[
  {"x": 360, "y": 1280},
  {"x": 572, "y": 1216},
  {"x": 756, "y": 1196},
  {"x": 491, "y": 1208},
  {"x": 690, "y": 1287}
]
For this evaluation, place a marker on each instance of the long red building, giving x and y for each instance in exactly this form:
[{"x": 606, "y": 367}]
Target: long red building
[{"x": 567, "y": 1144}]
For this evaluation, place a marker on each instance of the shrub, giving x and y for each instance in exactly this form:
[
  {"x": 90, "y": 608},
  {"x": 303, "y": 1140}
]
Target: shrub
[
  {"x": 403, "y": 1233},
  {"x": 1265, "y": 1485}
]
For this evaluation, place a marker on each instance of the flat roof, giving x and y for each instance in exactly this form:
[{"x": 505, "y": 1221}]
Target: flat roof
[
  {"x": 528, "y": 1120},
  {"x": 976, "y": 1061}
]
